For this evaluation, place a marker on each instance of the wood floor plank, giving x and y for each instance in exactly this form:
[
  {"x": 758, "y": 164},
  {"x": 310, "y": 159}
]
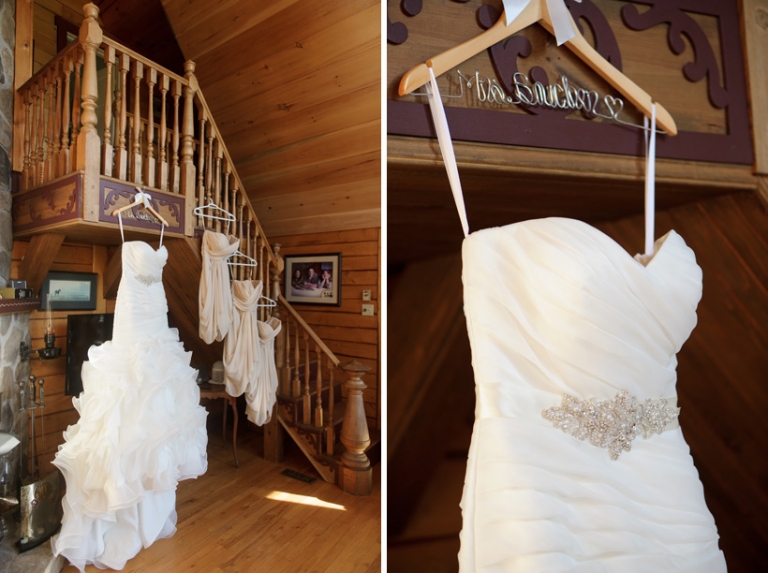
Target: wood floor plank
[{"x": 253, "y": 518}]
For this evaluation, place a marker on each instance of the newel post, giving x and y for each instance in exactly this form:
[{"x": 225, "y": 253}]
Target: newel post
[
  {"x": 188, "y": 176},
  {"x": 355, "y": 472},
  {"x": 273, "y": 432},
  {"x": 275, "y": 278},
  {"x": 88, "y": 142}
]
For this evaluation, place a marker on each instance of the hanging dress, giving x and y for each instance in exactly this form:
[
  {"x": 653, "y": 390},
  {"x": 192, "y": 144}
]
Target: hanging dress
[
  {"x": 260, "y": 397},
  {"x": 249, "y": 358},
  {"x": 574, "y": 347},
  {"x": 141, "y": 427},
  {"x": 215, "y": 298}
]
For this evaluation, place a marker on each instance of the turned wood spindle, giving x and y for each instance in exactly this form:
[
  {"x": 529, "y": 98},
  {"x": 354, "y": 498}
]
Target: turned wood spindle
[
  {"x": 138, "y": 75},
  {"x": 121, "y": 159},
  {"x": 175, "y": 169},
  {"x": 319, "y": 399},
  {"x": 107, "y": 159}
]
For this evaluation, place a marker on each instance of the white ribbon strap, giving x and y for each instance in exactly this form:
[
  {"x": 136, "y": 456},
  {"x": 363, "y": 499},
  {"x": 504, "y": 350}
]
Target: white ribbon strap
[
  {"x": 446, "y": 148},
  {"x": 558, "y": 13},
  {"x": 650, "y": 183}
]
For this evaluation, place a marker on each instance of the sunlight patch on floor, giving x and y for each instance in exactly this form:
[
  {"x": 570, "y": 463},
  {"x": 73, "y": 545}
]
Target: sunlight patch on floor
[{"x": 303, "y": 500}]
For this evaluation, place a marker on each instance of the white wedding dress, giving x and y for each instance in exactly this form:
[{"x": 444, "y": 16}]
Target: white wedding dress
[
  {"x": 141, "y": 427},
  {"x": 556, "y": 308}
]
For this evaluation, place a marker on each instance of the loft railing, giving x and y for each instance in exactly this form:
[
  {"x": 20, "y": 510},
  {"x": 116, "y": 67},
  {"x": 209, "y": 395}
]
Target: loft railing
[{"x": 103, "y": 110}]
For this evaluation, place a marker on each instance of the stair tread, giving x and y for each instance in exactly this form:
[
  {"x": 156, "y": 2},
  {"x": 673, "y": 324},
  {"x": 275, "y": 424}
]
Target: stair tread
[{"x": 338, "y": 418}]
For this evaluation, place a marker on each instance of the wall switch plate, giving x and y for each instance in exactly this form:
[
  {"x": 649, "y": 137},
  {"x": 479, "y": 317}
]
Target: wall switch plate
[
  {"x": 366, "y": 295},
  {"x": 367, "y": 310}
]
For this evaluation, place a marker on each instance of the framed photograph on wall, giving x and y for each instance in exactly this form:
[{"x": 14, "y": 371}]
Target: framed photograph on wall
[
  {"x": 69, "y": 291},
  {"x": 313, "y": 279}
]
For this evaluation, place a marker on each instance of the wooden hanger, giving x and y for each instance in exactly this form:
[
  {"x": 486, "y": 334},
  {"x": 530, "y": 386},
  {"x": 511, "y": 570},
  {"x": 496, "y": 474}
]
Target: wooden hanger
[
  {"x": 141, "y": 198},
  {"x": 537, "y": 11}
]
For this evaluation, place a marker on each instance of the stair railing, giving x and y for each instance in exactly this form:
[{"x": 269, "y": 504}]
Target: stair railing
[{"x": 153, "y": 128}]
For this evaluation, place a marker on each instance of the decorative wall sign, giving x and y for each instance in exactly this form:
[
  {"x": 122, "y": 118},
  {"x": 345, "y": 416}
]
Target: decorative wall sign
[
  {"x": 313, "y": 279},
  {"x": 610, "y": 23}
]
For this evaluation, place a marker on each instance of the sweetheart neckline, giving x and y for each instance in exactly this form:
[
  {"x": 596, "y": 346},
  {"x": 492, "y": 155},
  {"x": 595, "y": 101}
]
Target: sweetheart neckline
[{"x": 658, "y": 243}]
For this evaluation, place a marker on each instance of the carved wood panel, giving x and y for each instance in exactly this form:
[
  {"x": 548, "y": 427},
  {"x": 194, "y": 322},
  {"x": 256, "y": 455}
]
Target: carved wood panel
[
  {"x": 48, "y": 205},
  {"x": 685, "y": 53},
  {"x": 113, "y": 195}
]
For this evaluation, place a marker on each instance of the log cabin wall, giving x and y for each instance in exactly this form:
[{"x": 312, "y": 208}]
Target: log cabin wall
[
  {"x": 45, "y": 13},
  {"x": 59, "y": 412},
  {"x": 521, "y": 170},
  {"x": 350, "y": 335}
]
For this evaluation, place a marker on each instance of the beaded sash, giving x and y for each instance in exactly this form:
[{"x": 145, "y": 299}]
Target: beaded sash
[{"x": 614, "y": 423}]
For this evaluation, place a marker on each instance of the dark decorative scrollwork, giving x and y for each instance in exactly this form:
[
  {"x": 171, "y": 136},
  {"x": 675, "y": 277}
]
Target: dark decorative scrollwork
[
  {"x": 48, "y": 195},
  {"x": 397, "y": 32},
  {"x": 71, "y": 202},
  {"x": 680, "y": 23},
  {"x": 411, "y": 7},
  {"x": 172, "y": 206},
  {"x": 112, "y": 197},
  {"x": 605, "y": 40}
]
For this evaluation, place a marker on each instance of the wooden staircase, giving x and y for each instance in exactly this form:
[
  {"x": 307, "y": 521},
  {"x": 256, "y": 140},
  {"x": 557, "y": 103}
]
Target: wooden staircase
[{"x": 74, "y": 175}]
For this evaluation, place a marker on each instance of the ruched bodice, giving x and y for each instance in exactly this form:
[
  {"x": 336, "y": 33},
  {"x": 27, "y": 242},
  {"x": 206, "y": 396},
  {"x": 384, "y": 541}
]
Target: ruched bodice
[
  {"x": 141, "y": 306},
  {"x": 582, "y": 316},
  {"x": 556, "y": 307}
]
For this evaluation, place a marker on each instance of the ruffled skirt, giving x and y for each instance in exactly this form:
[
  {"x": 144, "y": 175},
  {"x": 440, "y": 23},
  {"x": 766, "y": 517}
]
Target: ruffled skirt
[{"x": 141, "y": 430}]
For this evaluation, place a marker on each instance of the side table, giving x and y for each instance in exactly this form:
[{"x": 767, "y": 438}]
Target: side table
[{"x": 217, "y": 392}]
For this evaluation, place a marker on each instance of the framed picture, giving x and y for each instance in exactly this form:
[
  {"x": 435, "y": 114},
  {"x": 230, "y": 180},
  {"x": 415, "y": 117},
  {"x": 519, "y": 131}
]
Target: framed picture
[
  {"x": 69, "y": 291},
  {"x": 313, "y": 279}
]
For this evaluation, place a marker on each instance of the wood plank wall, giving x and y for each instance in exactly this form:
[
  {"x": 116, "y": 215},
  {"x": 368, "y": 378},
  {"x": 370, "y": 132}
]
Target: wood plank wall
[
  {"x": 59, "y": 412},
  {"x": 346, "y": 332},
  {"x": 45, "y": 29}
]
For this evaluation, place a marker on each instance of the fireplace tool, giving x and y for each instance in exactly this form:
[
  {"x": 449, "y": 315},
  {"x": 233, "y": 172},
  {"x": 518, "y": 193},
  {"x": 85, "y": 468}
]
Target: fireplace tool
[{"x": 40, "y": 500}]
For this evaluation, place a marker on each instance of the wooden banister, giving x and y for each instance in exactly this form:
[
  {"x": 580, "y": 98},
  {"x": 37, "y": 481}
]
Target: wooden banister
[{"x": 315, "y": 338}]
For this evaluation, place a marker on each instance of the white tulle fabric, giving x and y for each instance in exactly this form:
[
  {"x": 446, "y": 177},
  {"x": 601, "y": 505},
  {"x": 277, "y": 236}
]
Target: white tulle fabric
[
  {"x": 554, "y": 306},
  {"x": 141, "y": 428},
  {"x": 249, "y": 356},
  {"x": 215, "y": 309}
]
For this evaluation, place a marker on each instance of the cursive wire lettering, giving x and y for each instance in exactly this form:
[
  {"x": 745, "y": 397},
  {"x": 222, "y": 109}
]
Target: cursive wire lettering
[{"x": 559, "y": 95}]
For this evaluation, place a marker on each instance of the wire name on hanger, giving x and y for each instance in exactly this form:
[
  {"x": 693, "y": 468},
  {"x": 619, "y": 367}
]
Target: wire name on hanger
[
  {"x": 142, "y": 215},
  {"x": 559, "y": 95}
]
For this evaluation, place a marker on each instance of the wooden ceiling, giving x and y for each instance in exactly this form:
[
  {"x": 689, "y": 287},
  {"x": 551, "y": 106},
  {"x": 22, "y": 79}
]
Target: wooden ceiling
[{"x": 295, "y": 88}]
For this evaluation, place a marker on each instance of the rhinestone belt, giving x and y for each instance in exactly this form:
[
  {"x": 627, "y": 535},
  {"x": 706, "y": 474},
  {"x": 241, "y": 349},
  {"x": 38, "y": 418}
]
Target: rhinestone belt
[{"x": 614, "y": 423}]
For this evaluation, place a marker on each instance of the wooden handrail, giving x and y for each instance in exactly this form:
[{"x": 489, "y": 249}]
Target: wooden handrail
[
  {"x": 309, "y": 330},
  {"x": 61, "y": 56},
  {"x": 270, "y": 253}
]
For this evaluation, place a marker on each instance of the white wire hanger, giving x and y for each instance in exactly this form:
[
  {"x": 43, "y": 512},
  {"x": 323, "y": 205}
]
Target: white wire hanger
[
  {"x": 145, "y": 200},
  {"x": 269, "y": 304},
  {"x": 245, "y": 260},
  {"x": 213, "y": 211}
]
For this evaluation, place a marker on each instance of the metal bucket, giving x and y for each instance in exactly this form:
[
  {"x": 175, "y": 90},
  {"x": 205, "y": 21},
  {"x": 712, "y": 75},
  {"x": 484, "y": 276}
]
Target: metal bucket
[{"x": 41, "y": 510}]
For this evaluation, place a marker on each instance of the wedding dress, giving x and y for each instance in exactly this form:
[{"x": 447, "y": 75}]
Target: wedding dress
[
  {"x": 574, "y": 347},
  {"x": 215, "y": 298},
  {"x": 141, "y": 428},
  {"x": 249, "y": 355}
]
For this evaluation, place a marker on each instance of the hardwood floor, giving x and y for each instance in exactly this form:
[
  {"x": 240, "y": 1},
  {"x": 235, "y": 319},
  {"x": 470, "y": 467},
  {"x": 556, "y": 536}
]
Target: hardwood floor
[{"x": 253, "y": 518}]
